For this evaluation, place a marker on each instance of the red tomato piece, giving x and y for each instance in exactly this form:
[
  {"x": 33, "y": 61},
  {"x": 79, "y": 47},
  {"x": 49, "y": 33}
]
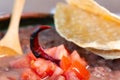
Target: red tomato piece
[
  {"x": 76, "y": 57},
  {"x": 57, "y": 75},
  {"x": 57, "y": 52},
  {"x": 31, "y": 56},
  {"x": 65, "y": 63},
  {"x": 75, "y": 64},
  {"x": 70, "y": 75},
  {"x": 43, "y": 67},
  {"x": 80, "y": 70},
  {"x": 51, "y": 51},
  {"x": 28, "y": 74},
  {"x": 61, "y": 51}
]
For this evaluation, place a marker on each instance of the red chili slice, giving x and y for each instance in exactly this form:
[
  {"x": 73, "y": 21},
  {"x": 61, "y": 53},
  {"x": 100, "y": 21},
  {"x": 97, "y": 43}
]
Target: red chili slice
[{"x": 37, "y": 49}]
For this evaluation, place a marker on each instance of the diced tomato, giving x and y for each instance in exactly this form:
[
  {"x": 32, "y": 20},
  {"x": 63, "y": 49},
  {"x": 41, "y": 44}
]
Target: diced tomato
[
  {"x": 70, "y": 75},
  {"x": 61, "y": 51},
  {"x": 31, "y": 56},
  {"x": 72, "y": 66},
  {"x": 51, "y": 51},
  {"x": 57, "y": 74},
  {"x": 75, "y": 64},
  {"x": 80, "y": 70},
  {"x": 57, "y": 52},
  {"x": 28, "y": 74},
  {"x": 60, "y": 77},
  {"x": 76, "y": 57},
  {"x": 65, "y": 63},
  {"x": 43, "y": 67}
]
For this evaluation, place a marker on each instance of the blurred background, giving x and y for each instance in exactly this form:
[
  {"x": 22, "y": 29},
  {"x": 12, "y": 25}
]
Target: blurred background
[{"x": 46, "y": 6}]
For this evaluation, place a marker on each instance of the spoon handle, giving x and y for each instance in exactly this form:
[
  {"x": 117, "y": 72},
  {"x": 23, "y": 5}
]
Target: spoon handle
[{"x": 15, "y": 19}]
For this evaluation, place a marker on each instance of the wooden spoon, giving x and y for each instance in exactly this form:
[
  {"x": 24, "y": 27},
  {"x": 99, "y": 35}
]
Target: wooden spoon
[{"x": 10, "y": 44}]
